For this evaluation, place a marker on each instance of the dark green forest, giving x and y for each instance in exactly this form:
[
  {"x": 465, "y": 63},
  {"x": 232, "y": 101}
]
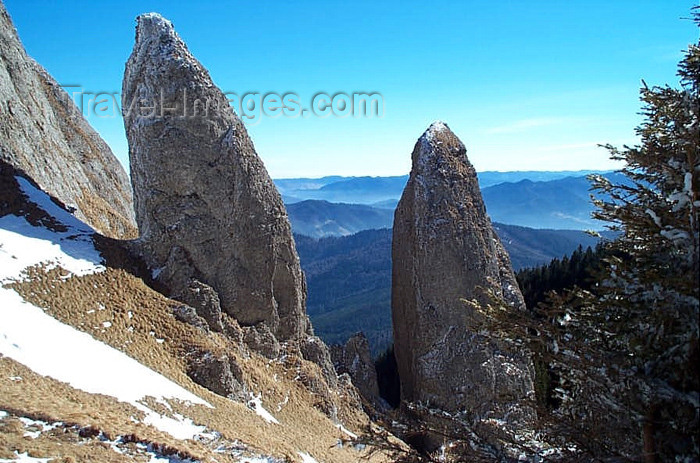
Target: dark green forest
[
  {"x": 349, "y": 277},
  {"x": 577, "y": 270}
]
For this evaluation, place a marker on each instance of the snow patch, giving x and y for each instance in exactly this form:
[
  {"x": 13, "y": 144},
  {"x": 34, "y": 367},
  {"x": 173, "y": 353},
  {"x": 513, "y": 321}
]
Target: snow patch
[
  {"x": 255, "y": 403},
  {"x": 258, "y": 460},
  {"x": 125, "y": 447},
  {"x": 179, "y": 427},
  {"x": 24, "y": 458},
  {"x": 306, "y": 458},
  {"x": 45, "y": 202},
  {"x": 24, "y": 245},
  {"x": 346, "y": 431},
  {"x": 40, "y": 426},
  {"x": 51, "y": 348}
]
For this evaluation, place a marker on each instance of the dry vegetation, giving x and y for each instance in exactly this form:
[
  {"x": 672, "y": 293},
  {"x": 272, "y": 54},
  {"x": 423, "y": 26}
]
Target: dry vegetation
[
  {"x": 98, "y": 211},
  {"x": 141, "y": 324}
]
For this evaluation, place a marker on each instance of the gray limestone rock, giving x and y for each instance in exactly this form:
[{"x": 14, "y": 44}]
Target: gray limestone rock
[
  {"x": 315, "y": 350},
  {"x": 44, "y": 135},
  {"x": 206, "y": 207},
  {"x": 355, "y": 359},
  {"x": 187, "y": 314},
  {"x": 444, "y": 252},
  {"x": 220, "y": 374},
  {"x": 205, "y": 301},
  {"x": 261, "y": 340}
]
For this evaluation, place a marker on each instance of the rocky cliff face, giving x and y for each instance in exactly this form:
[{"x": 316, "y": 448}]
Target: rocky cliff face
[
  {"x": 207, "y": 210},
  {"x": 43, "y": 134},
  {"x": 445, "y": 251}
]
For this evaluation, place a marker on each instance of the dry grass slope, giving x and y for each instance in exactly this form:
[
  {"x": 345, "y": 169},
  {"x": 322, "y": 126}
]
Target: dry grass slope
[{"x": 120, "y": 310}]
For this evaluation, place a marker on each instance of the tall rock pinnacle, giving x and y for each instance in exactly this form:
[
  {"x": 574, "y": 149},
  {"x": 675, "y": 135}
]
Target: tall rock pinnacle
[
  {"x": 444, "y": 251},
  {"x": 206, "y": 208},
  {"x": 44, "y": 135}
]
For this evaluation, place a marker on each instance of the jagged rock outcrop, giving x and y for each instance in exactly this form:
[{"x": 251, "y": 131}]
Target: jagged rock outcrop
[
  {"x": 206, "y": 303},
  {"x": 218, "y": 373},
  {"x": 207, "y": 210},
  {"x": 315, "y": 350},
  {"x": 444, "y": 251},
  {"x": 44, "y": 135},
  {"x": 355, "y": 359}
]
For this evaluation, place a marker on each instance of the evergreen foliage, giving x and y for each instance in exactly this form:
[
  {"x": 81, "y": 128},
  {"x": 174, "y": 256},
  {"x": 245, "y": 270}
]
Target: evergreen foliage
[
  {"x": 621, "y": 351},
  {"x": 648, "y": 306},
  {"x": 577, "y": 270}
]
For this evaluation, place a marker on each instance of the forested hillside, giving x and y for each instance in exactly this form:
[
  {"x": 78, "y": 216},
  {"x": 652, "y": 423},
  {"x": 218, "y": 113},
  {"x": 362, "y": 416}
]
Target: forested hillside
[{"x": 349, "y": 277}]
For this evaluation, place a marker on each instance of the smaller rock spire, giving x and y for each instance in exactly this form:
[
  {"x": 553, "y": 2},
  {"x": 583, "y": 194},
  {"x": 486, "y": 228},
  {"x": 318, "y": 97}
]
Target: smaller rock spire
[{"x": 444, "y": 252}]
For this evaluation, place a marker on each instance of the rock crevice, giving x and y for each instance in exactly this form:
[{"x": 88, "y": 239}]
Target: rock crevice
[{"x": 354, "y": 359}]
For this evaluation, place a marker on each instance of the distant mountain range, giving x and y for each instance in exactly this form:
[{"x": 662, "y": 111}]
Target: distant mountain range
[
  {"x": 560, "y": 203},
  {"x": 340, "y": 206},
  {"x": 349, "y": 277},
  {"x": 317, "y": 218},
  {"x": 370, "y": 190},
  {"x": 343, "y": 225}
]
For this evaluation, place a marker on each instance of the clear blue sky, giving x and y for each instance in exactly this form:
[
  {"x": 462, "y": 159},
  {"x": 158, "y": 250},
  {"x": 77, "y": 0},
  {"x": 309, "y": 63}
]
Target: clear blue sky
[{"x": 527, "y": 85}]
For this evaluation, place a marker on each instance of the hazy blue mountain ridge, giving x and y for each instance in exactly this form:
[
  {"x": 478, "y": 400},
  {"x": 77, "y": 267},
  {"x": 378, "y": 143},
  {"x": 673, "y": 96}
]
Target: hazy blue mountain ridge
[
  {"x": 559, "y": 202},
  {"x": 391, "y": 187},
  {"x": 317, "y": 218},
  {"x": 345, "y": 247}
]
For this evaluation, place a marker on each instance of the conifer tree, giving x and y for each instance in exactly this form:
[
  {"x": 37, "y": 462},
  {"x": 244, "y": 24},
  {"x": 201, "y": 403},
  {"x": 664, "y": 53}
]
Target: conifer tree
[
  {"x": 625, "y": 352},
  {"x": 650, "y": 293}
]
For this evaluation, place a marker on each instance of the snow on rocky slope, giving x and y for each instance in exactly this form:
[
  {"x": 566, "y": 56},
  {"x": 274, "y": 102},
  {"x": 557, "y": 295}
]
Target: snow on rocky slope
[
  {"x": 47, "y": 346},
  {"x": 39, "y": 350}
]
